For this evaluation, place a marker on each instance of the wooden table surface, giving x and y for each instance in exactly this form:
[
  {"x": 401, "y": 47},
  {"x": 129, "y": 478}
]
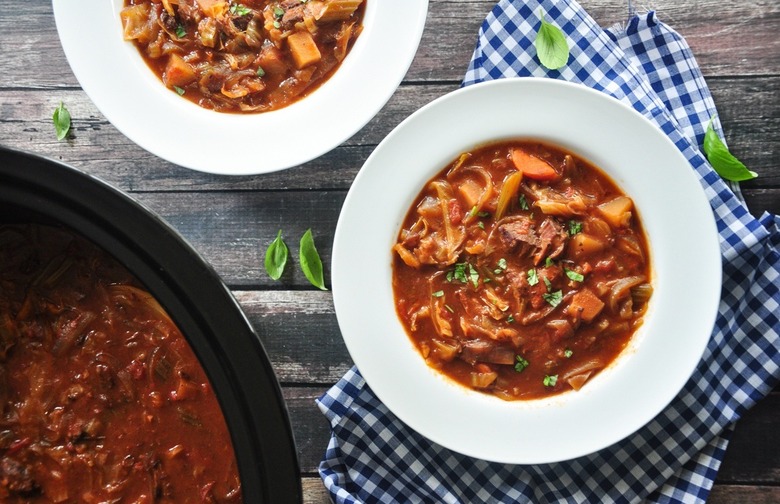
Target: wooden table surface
[{"x": 230, "y": 220}]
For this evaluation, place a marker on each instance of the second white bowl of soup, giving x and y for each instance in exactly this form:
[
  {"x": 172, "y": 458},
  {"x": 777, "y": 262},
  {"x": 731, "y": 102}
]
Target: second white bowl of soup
[{"x": 510, "y": 269}]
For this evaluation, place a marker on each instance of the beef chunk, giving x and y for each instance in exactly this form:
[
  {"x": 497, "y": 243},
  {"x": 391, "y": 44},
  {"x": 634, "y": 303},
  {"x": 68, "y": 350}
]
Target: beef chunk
[
  {"x": 526, "y": 238},
  {"x": 17, "y": 478}
]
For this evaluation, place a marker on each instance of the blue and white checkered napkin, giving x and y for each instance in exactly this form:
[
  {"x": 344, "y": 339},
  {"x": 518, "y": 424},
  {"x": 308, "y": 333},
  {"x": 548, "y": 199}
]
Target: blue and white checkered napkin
[{"x": 373, "y": 457}]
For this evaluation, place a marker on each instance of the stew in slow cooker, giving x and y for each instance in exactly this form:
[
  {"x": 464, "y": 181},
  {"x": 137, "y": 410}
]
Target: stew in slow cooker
[
  {"x": 521, "y": 270},
  {"x": 102, "y": 400},
  {"x": 248, "y": 56}
]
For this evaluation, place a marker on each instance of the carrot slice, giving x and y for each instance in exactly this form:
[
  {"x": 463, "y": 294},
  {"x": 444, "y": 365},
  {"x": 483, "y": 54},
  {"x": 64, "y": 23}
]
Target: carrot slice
[
  {"x": 178, "y": 72},
  {"x": 533, "y": 167}
]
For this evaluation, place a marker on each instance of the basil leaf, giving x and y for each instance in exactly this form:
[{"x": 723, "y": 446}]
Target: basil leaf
[
  {"x": 551, "y": 46},
  {"x": 553, "y": 298},
  {"x": 533, "y": 278},
  {"x": 474, "y": 276},
  {"x": 311, "y": 264},
  {"x": 61, "y": 118},
  {"x": 241, "y": 10},
  {"x": 523, "y": 202},
  {"x": 458, "y": 273},
  {"x": 276, "y": 257},
  {"x": 724, "y": 163},
  {"x": 573, "y": 275}
]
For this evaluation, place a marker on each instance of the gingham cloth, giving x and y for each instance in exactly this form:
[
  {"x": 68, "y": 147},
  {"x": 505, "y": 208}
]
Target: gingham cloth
[{"x": 373, "y": 457}]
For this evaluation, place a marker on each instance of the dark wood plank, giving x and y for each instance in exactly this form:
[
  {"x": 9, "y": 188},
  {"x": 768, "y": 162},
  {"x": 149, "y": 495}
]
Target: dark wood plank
[
  {"x": 314, "y": 491},
  {"x": 727, "y": 494},
  {"x": 310, "y": 427},
  {"x": 749, "y": 109},
  {"x": 232, "y": 231},
  {"x": 300, "y": 333},
  {"x": 763, "y": 200},
  {"x": 752, "y": 456}
]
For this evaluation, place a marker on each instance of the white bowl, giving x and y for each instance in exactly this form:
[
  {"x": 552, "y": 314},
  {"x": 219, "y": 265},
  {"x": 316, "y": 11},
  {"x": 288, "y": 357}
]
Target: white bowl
[
  {"x": 117, "y": 80},
  {"x": 661, "y": 356}
]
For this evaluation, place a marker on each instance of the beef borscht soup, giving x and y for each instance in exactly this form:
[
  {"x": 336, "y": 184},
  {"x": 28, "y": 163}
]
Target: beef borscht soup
[
  {"x": 249, "y": 57},
  {"x": 102, "y": 399},
  {"x": 521, "y": 270}
]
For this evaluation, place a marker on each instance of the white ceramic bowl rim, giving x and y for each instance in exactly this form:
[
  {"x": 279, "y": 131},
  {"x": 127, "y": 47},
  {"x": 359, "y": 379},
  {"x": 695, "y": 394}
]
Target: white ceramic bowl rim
[
  {"x": 663, "y": 353},
  {"x": 132, "y": 98}
]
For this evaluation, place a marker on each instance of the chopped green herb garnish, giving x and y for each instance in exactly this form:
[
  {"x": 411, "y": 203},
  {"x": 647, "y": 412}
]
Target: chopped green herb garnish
[
  {"x": 277, "y": 24},
  {"x": 547, "y": 283},
  {"x": 483, "y": 214},
  {"x": 551, "y": 45},
  {"x": 522, "y": 202},
  {"x": 533, "y": 278},
  {"x": 473, "y": 211},
  {"x": 481, "y": 225},
  {"x": 278, "y": 12},
  {"x": 568, "y": 353},
  {"x": 260, "y": 71},
  {"x": 458, "y": 273},
  {"x": 723, "y": 161},
  {"x": 550, "y": 380},
  {"x": 520, "y": 363},
  {"x": 463, "y": 273},
  {"x": 438, "y": 293},
  {"x": 553, "y": 298},
  {"x": 474, "y": 276},
  {"x": 510, "y": 319},
  {"x": 501, "y": 266},
  {"x": 180, "y": 31},
  {"x": 61, "y": 118},
  {"x": 179, "y": 91},
  {"x": 573, "y": 275},
  {"x": 574, "y": 227},
  {"x": 276, "y": 257},
  {"x": 241, "y": 10},
  {"x": 548, "y": 262}
]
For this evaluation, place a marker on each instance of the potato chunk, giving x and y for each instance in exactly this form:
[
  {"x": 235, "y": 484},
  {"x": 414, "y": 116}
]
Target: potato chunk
[
  {"x": 303, "y": 49},
  {"x": 338, "y": 10},
  {"x": 617, "y": 211}
]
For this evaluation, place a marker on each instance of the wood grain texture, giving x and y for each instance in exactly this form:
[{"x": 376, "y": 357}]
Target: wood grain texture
[
  {"x": 230, "y": 220},
  {"x": 721, "y": 494},
  {"x": 748, "y": 108}
]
